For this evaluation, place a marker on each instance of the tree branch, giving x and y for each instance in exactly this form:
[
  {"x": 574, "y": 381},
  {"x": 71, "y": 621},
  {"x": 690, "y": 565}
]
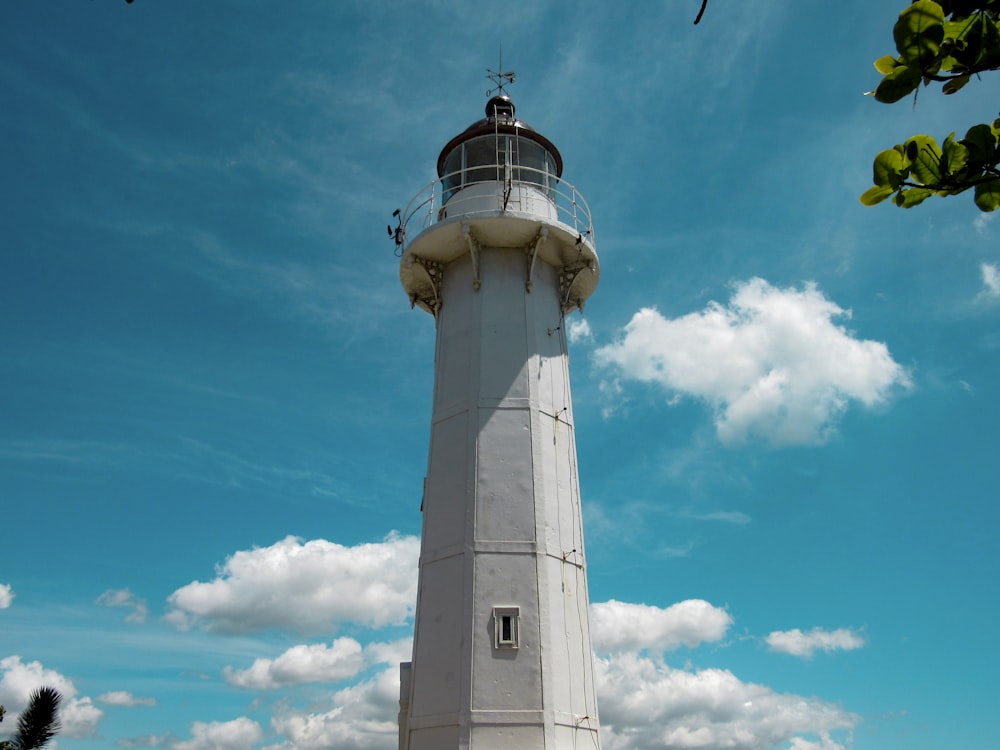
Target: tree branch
[{"x": 704, "y": 4}]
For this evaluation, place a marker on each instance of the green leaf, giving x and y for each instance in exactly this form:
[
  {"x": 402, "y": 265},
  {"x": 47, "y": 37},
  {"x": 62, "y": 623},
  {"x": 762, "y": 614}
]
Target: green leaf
[
  {"x": 990, "y": 52},
  {"x": 919, "y": 33},
  {"x": 885, "y": 65},
  {"x": 961, "y": 43},
  {"x": 955, "y": 84},
  {"x": 876, "y": 194},
  {"x": 912, "y": 197},
  {"x": 926, "y": 155},
  {"x": 888, "y": 169},
  {"x": 899, "y": 83},
  {"x": 988, "y": 195},
  {"x": 981, "y": 143},
  {"x": 956, "y": 155}
]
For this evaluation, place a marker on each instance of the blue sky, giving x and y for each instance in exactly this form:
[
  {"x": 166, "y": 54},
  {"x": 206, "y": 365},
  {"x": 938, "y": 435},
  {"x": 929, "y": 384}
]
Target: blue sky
[{"x": 215, "y": 399}]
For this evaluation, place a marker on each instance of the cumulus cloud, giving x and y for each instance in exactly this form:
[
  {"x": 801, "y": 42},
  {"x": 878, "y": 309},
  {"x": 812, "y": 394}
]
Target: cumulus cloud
[
  {"x": 361, "y": 717},
  {"x": 823, "y": 743},
  {"x": 79, "y": 715},
  {"x": 307, "y": 587},
  {"x": 578, "y": 329},
  {"x": 645, "y": 703},
  {"x": 797, "y": 643},
  {"x": 304, "y": 663},
  {"x": 6, "y": 595},
  {"x": 991, "y": 281},
  {"x": 619, "y": 626},
  {"x": 125, "y": 598},
  {"x": 342, "y": 659},
  {"x": 124, "y": 698},
  {"x": 147, "y": 740},
  {"x": 238, "y": 734},
  {"x": 772, "y": 363}
]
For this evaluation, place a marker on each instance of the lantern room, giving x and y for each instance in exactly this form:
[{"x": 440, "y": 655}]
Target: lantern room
[
  {"x": 498, "y": 148},
  {"x": 499, "y": 186}
]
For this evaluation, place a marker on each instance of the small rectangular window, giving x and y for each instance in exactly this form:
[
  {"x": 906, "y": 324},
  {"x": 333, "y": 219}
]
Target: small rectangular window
[{"x": 505, "y": 621}]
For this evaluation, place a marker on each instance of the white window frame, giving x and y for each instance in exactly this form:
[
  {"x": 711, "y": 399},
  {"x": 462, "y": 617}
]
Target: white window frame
[{"x": 505, "y": 627}]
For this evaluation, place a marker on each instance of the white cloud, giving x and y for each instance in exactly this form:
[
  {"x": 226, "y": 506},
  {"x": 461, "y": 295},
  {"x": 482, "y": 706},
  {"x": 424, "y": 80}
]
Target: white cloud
[
  {"x": 146, "y": 740},
  {"x": 982, "y": 221},
  {"x": 125, "y": 698},
  {"x": 824, "y": 743},
  {"x": 307, "y": 587},
  {"x": 645, "y": 703},
  {"x": 389, "y": 653},
  {"x": 238, "y": 734},
  {"x": 362, "y": 718},
  {"x": 614, "y": 396},
  {"x": 304, "y": 663},
  {"x": 797, "y": 643},
  {"x": 726, "y": 516},
  {"x": 771, "y": 364},
  {"x": 79, "y": 716},
  {"x": 342, "y": 659},
  {"x": 6, "y": 595},
  {"x": 991, "y": 281},
  {"x": 125, "y": 598},
  {"x": 619, "y": 626},
  {"x": 578, "y": 329}
]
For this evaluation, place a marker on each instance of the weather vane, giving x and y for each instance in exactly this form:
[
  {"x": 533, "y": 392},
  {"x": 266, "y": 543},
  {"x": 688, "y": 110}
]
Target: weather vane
[{"x": 500, "y": 78}]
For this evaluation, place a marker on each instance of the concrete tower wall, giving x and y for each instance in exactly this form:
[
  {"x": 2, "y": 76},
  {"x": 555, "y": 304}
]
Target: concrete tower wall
[{"x": 502, "y": 532}]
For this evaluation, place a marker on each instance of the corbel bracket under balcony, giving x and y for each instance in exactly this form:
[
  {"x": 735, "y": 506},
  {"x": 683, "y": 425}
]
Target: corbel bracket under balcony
[
  {"x": 532, "y": 251},
  {"x": 567, "y": 278},
  {"x": 473, "y": 252},
  {"x": 428, "y": 298}
]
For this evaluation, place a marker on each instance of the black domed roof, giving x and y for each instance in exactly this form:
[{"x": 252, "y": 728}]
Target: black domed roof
[{"x": 500, "y": 118}]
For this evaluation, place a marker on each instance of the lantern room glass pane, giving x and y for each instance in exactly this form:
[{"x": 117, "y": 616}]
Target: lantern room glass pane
[
  {"x": 452, "y": 178},
  {"x": 495, "y": 158},
  {"x": 535, "y": 164},
  {"x": 481, "y": 162}
]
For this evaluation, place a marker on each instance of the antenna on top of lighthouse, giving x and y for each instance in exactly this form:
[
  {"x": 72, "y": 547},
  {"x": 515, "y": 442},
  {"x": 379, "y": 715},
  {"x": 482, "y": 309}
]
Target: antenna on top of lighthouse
[{"x": 500, "y": 77}]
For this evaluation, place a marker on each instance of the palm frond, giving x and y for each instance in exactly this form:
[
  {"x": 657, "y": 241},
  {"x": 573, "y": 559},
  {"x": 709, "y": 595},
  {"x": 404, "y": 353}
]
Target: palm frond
[{"x": 39, "y": 722}]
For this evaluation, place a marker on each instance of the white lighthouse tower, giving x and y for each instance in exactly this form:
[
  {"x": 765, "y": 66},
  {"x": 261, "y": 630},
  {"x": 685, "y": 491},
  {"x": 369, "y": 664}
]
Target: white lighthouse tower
[{"x": 499, "y": 249}]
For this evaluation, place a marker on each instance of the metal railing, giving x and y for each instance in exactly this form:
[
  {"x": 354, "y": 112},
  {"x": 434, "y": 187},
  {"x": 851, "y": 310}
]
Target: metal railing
[{"x": 436, "y": 202}]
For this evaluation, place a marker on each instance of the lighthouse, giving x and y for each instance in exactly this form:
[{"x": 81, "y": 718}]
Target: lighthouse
[{"x": 499, "y": 249}]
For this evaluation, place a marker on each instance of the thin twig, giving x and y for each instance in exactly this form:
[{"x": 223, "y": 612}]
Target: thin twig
[{"x": 704, "y": 4}]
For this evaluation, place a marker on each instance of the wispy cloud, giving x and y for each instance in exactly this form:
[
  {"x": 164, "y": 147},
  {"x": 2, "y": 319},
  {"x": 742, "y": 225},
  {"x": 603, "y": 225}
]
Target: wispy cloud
[
  {"x": 212, "y": 464},
  {"x": 125, "y": 598},
  {"x": 725, "y": 516},
  {"x": 990, "y": 273},
  {"x": 192, "y": 459},
  {"x": 125, "y": 698},
  {"x": 798, "y": 643},
  {"x": 75, "y": 452},
  {"x": 333, "y": 292},
  {"x": 6, "y": 595}
]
